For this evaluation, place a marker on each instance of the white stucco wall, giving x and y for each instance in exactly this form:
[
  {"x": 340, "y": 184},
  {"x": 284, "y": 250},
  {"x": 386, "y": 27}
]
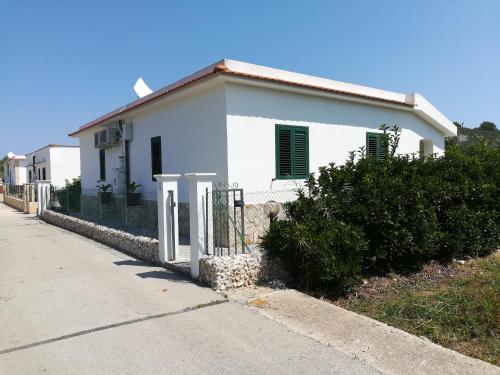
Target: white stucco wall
[
  {"x": 89, "y": 162},
  {"x": 229, "y": 129},
  {"x": 17, "y": 172},
  {"x": 193, "y": 139},
  {"x": 60, "y": 163},
  {"x": 335, "y": 128},
  {"x": 64, "y": 164},
  {"x": 42, "y": 160}
]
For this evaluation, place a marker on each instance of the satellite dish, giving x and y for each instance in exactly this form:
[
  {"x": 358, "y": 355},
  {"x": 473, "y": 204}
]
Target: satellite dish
[
  {"x": 141, "y": 89},
  {"x": 10, "y": 155}
]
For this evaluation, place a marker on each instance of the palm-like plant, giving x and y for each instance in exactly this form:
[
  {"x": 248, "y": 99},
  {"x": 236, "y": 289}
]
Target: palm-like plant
[{"x": 132, "y": 187}]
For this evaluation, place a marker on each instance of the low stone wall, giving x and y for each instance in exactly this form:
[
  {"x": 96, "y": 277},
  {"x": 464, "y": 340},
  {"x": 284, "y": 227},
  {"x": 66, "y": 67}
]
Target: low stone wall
[
  {"x": 31, "y": 207},
  {"x": 18, "y": 204},
  {"x": 257, "y": 223},
  {"x": 229, "y": 272},
  {"x": 140, "y": 247}
]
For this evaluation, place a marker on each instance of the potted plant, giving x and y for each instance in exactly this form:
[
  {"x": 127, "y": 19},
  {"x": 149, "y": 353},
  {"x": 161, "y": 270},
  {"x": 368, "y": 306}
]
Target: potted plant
[
  {"x": 104, "y": 194},
  {"x": 133, "y": 197}
]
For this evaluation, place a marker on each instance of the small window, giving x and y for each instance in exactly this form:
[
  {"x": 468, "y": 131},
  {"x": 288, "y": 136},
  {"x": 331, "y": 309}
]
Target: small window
[
  {"x": 30, "y": 177},
  {"x": 292, "y": 152},
  {"x": 374, "y": 146},
  {"x": 44, "y": 174},
  {"x": 102, "y": 165},
  {"x": 426, "y": 147},
  {"x": 156, "y": 167},
  {"x": 39, "y": 174}
]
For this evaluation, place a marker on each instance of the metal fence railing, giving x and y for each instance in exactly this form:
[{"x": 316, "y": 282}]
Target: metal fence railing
[
  {"x": 261, "y": 197},
  {"x": 14, "y": 191},
  {"x": 135, "y": 213},
  {"x": 225, "y": 222},
  {"x": 236, "y": 220}
]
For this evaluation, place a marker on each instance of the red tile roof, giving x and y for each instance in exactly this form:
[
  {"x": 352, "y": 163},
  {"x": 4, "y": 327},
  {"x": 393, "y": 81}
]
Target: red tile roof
[{"x": 220, "y": 68}]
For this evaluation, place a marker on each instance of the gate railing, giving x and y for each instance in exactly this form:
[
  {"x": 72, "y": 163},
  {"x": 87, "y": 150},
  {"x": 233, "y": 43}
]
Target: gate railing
[{"x": 227, "y": 216}]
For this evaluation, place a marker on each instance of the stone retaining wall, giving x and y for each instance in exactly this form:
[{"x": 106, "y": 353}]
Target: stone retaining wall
[
  {"x": 229, "y": 272},
  {"x": 18, "y": 204},
  {"x": 257, "y": 223},
  {"x": 140, "y": 247}
]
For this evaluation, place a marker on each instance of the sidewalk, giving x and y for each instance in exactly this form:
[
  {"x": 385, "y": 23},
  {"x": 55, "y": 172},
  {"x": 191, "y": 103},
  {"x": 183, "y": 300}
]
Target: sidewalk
[{"x": 385, "y": 348}]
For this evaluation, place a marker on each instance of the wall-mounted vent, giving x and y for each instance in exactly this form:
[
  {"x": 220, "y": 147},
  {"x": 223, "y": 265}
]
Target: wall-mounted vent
[{"x": 108, "y": 137}]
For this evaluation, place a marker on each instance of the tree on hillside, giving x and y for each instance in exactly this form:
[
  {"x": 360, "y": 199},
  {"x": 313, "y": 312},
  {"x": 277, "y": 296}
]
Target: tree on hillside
[
  {"x": 4, "y": 159},
  {"x": 488, "y": 125},
  {"x": 486, "y": 132}
]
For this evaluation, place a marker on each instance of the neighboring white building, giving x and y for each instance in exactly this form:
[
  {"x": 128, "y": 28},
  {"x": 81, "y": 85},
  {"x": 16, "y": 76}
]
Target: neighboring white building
[
  {"x": 261, "y": 127},
  {"x": 56, "y": 163},
  {"x": 14, "y": 170}
]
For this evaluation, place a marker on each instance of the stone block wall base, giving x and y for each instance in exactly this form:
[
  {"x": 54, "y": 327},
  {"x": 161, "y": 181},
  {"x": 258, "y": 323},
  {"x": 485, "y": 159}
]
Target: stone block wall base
[
  {"x": 139, "y": 247},
  {"x": 229, "y": 272},
  {"x": 18, "y": 204}
]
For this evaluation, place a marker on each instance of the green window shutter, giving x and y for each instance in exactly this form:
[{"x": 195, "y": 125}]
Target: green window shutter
[
  {"x": 284, "y": 152},
  {"x": 374, "y": 146},
  {"x": 292, "y": 152},
  {"x": 156, "y": 167},
  {"x": 301, "y": 152},
  {"x": 102, "y": 165}
]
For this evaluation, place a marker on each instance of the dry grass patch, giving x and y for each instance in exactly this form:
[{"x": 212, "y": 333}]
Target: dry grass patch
[{"x": 457, "y": 305}]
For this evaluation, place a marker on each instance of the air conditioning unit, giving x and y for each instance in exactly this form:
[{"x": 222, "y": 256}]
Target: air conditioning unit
[
  {"x": 100, "y": 139},
  {"x": 113, "y": 136},
  {"x": 108, "y": 137},
  {"x": 103, "y": 138}
]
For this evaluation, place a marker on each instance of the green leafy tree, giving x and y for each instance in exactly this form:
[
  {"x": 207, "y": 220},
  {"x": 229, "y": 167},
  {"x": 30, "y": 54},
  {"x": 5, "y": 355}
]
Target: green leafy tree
[
  {"x": 2, "y": 166},
  {"x": 488, "y": 126}
]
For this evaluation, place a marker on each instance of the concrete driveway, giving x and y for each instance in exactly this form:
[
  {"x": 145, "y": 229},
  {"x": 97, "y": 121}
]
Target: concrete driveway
[{"x": 71, "y": 305}]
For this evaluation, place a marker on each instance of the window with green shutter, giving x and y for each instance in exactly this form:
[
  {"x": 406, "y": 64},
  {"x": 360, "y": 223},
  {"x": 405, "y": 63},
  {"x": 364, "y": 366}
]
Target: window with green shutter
[
  {"x": 156, "y": 167},
  {"x": 102, "y": 165},
  {"x": 292, "y": 152},
  {"x": 374, "y": 146}
]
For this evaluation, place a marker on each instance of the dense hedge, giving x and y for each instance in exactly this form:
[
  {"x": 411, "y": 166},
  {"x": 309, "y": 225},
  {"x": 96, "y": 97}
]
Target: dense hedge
[
  {"x": 370, "y": 216},
  {"x": 67, "y": 198}
]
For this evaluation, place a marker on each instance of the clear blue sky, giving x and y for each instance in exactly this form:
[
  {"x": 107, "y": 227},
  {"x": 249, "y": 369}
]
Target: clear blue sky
[{"x": 63, "y": 63}]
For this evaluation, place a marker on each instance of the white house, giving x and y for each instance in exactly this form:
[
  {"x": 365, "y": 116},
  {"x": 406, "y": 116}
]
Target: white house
[
  {"x": 56, "y": 163},
  {"x": 261, "y": 127},
  {"x": 14, "y": 169}
]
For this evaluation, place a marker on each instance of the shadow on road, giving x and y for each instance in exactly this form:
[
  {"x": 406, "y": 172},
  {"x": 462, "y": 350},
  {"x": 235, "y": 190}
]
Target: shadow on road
[
  {"x": 132, "y": 262},
  {"x": 165, "y": 275}
]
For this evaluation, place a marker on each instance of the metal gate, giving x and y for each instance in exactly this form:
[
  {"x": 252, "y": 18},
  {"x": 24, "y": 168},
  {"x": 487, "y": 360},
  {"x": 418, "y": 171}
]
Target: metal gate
[
  {"x": 172, "y": 204},
  {"x": 227, "y": 216}
]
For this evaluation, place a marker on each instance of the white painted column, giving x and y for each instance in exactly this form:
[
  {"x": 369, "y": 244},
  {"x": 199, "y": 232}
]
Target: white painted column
[
  {"x": 198, "y": 185},
  {"x": 43, "y": 195},
  {"x": 167, "y": 183}
]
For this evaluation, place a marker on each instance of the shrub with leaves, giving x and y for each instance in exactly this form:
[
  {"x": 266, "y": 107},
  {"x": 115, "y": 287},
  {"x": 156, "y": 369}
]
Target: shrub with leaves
[
  {"x": 68, "y": 197},
  {"x": 375, "y": 216}
]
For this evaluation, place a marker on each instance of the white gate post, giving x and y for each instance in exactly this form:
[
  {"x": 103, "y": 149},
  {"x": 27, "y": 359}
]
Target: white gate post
[
  {"x": 167, "y": 183},
  {"x": 198, "y": 185},
  {"x": 43, "y": 195}
]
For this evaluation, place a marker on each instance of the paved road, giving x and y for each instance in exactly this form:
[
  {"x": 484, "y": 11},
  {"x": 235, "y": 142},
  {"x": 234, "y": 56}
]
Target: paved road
[{"x": 71, "y": 305}]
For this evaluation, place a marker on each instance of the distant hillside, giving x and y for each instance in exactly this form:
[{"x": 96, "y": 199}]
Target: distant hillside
[{"x": 467, "y": 136}]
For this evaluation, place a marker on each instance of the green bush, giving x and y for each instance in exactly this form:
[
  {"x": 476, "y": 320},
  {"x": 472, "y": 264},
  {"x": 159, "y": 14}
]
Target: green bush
[
  {"x": 318, "y": 253},
  {"x": 375, "y": 216},
  {"x": 68, "y": 197}
]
